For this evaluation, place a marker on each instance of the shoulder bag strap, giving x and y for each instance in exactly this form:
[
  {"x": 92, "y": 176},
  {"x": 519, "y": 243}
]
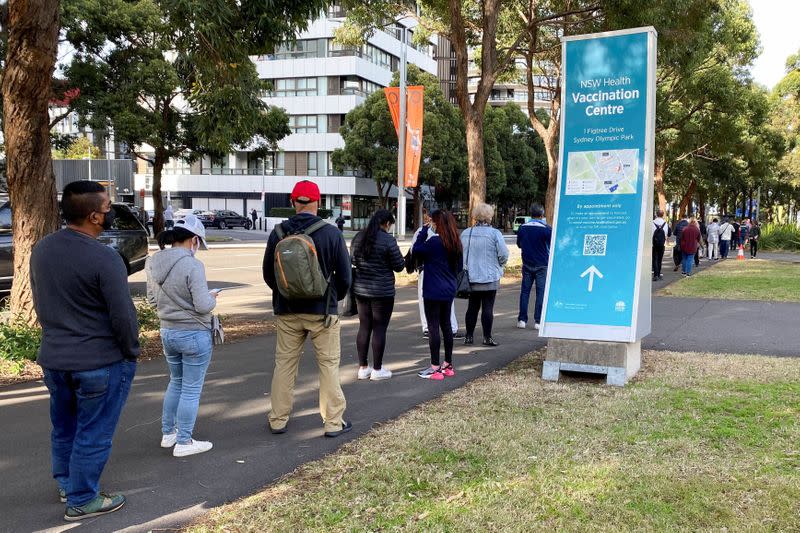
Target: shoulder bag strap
[{"x": 469, "y": 242}]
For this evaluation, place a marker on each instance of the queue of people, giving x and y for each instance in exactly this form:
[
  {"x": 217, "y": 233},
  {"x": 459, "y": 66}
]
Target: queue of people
[
  {"x": 90, "y": 344},
  {"x": 716, "y": 239}
]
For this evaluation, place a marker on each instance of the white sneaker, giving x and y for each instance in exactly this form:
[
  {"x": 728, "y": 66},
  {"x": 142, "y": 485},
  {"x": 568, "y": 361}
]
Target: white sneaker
[
  {"x": 521, "y": 324},
  {"x": 378, "y": 375},
  {"x": 536, "y": 325},
  {"x": 364, "y": 373},
  {"x": 194, "y": 447},
  {"x": 169, "y": 440}
]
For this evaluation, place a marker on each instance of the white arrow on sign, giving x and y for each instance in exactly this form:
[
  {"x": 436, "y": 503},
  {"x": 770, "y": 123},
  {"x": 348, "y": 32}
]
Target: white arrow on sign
[{"x": 591, "y": 272}]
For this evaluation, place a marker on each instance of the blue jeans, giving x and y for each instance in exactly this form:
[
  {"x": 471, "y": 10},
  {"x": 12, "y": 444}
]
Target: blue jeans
[
  {"x": 84, "y": 409},
  {"x": 688, "y": 263},
  {"x": 723, "y": 248},
  {"x": 529, "y": 275},
  {"x": 188, "y": 355}
]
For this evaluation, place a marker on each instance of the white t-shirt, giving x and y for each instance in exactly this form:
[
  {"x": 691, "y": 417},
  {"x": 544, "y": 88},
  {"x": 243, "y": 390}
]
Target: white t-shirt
[
  {"x": 657, "y": 223},
  {"x": 725, "y": 231}
]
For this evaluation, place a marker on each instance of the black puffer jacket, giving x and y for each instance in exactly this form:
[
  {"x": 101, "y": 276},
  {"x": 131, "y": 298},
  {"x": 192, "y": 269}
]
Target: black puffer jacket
[{"x": 374, "y": 276}]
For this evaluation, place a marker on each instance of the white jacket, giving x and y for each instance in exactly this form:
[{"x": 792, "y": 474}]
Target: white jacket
[{"x": 713, "y": 232}]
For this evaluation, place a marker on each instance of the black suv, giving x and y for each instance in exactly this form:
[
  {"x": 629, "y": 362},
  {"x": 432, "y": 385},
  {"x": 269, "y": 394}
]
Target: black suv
[
  {"x": 127, "y": 236},
  {"x": 222, "y": 219}
]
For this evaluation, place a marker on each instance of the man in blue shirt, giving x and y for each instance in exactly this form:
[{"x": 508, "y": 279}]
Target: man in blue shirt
[{"x": 533, "y": 238}]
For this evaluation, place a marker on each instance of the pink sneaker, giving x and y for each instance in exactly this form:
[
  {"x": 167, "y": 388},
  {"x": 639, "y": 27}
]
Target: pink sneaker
[
  {"x": 448, "y": 370},
  {"x": 431, "y": 373}
]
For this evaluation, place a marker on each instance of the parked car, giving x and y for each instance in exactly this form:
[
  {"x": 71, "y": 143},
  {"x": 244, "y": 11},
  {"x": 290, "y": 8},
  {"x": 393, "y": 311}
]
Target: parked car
[
  {"x": 181, "y": 213},
  {"x": 222, "y": 219},
  {"x": 127, "y": 236},
  {"x": 518, "y": 221}
]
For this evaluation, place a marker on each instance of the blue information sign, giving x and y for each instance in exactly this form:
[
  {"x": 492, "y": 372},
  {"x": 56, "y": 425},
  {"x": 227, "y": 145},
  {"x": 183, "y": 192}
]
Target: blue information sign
[{"x": 598, "y": 285}]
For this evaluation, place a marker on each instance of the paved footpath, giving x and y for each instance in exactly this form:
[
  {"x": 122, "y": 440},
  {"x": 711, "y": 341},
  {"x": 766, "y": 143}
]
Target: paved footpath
[{"x": 166, "y": 492}]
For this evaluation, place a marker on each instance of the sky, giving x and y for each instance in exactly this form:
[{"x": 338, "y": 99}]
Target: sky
[{"x": 777, "y": 22}]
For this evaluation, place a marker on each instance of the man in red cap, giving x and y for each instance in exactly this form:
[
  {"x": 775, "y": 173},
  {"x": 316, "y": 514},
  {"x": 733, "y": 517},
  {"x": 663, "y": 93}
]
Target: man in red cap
[{"x": 307, "y": 266}]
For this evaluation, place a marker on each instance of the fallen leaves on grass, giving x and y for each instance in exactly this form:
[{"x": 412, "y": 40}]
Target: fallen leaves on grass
[{"x": 696, "y": 441}]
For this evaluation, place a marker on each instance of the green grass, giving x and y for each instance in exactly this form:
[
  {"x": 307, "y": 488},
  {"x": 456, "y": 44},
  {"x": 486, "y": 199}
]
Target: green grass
[
  {"x": 742, "y": 280},
  {"x": 695, "y": 442}
]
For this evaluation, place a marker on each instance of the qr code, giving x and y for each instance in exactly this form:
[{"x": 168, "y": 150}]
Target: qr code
[{"x": 594, "y": 244}]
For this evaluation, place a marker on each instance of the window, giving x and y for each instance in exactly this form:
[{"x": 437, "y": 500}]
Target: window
[
  {"x": 312, "y": 163},
  {"x": 370, "y": 52},
  {"x": 353, "y": 85},
  {"x": 296, "y": 87},
  {"x": 125, "y": 220},
  {"x": 280, "y": 164},
  {"x": 177, "y": 166},
  {"x": 303, "y": 123},
  {"x": 335, "y": 10},
  {"x": 347, "y": 171},
  {"x": 335, "y": 123},
  {"x": 301, "y": 49},
  {"x": 255, "y": 165}
]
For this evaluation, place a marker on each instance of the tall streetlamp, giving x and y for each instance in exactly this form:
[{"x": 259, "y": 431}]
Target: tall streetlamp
[{"x": 401, "y": 137}]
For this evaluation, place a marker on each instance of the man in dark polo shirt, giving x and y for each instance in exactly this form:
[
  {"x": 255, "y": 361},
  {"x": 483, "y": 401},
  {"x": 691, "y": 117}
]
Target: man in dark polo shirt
[
  {"x": 90, "y": 343},
  {"x": 533, "y": 238}
]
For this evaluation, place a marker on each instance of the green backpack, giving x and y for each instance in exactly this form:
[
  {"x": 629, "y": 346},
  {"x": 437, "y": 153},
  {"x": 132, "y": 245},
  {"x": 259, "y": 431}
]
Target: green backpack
[{"x": 297, "y": 269}]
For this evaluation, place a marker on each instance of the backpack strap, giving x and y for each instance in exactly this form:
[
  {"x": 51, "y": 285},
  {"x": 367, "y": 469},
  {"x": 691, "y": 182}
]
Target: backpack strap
[
  {"x": 314, "y": 227},
  {"x": 279, "y": 231}
]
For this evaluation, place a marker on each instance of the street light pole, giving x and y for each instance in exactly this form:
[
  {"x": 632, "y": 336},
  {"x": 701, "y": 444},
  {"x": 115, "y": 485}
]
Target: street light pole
[{"x": 401, "y": 152}]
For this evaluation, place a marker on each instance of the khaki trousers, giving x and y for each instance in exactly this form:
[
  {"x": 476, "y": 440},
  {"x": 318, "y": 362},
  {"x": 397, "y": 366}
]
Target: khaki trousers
[{"x": 292, "y": 332}]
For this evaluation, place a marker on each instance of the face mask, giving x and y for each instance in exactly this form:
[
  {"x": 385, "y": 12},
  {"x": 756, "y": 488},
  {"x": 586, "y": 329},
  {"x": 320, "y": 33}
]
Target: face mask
[
  {"x": 194, "y": 249},
  {"x": 108, "y": 219}
]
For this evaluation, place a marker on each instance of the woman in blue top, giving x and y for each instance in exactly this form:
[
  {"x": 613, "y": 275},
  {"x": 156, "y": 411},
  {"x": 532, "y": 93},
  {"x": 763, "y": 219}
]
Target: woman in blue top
[
  {"x": 485, "y": 254},
  {"x": 439, "y": 248}
]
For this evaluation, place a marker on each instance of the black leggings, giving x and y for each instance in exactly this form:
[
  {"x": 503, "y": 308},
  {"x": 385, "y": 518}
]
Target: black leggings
[
  {"x": 374, "y": 315},
  {"x": 481, "y": 301},
  {"x": 438, "y": 315}
]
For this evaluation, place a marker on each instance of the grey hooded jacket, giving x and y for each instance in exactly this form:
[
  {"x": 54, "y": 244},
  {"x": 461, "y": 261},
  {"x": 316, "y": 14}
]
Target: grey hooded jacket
[{"x": 176, "y": 285}]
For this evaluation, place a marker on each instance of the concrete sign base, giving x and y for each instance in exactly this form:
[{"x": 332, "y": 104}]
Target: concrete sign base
[{"x": 619, "y": 361}]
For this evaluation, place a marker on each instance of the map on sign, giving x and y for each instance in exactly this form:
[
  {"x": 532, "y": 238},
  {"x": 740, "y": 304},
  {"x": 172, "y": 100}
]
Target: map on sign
[{"x": 603, "y": 172}]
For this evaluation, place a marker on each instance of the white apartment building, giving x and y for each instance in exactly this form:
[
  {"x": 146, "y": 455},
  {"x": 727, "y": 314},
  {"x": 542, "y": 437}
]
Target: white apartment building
[
  {"x": 317, "y": 82},
  {"x": 514, "y": 90}
]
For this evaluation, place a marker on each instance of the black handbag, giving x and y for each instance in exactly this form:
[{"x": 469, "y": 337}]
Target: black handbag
[{"x": 462, "y": 278}]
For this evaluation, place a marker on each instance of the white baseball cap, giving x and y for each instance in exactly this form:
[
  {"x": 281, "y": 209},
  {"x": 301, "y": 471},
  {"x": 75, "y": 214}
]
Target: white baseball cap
[{"x": 192, "y": 223}]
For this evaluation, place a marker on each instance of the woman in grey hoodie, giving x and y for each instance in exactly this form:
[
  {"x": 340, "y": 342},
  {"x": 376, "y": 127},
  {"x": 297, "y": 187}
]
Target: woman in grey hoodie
[{"x": 176, "y": 285}]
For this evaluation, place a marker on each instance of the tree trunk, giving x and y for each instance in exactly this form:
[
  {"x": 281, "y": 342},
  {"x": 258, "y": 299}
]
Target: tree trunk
[
  {"x": 30, "y": 57},
  {"x": 658, "y": 179},
  {"x": 475, "y": 160},
  {"x": 549, "y": 136},
  {"x": 702, "y": 200},
  {"x": 158, "y": 203},
  {"x": 552, "y": 177},
  {"x": 473, "y": 107},
  {"x": 381, "y": 197},
  {"x": 687, "y": 199}
]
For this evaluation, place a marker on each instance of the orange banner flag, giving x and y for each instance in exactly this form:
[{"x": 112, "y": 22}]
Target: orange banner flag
[{"x": 414, "y": 118}]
